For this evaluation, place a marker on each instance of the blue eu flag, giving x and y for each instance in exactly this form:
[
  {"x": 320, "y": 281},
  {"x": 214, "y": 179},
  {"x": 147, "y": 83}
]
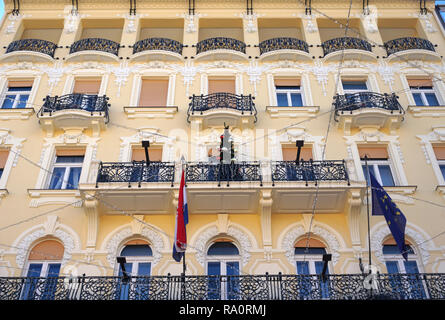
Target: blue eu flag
[{"x": 382, "y": 204}]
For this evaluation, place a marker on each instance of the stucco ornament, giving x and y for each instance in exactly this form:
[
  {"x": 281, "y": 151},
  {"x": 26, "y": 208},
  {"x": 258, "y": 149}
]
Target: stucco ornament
[
  {"x": 309, "y": 23},
  {"x": 420, "y": 245},
  {"x": 203, "y": 240},
  {"x": 117, "y": 240},
  {"x": 69, "y": 242},
  {"x": 370, "y": 19},
  {"x": 298, "y": 231}
]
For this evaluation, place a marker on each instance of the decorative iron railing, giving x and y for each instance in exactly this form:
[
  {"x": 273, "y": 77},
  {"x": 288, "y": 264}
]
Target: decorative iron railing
[
  {"x": 76, "y": 101},
  {"x": 354, "y": 101},
  {"x": 245, "y": 287},
  {"x": 97, "y": 44},
  {"x": 408, "y": 43},
  {"x": 240, "y": 171},
  {"x": 327, "y": 170},
  {"x": 339, "y": 44},
  {"x": 220, "y": 43},
  {"x": 283, "y": 43},
  {"x": 163, "y": 44},
  {"x": 221, "y": 100},
  {"x": 36, "y": 45},
  {"x": 136, "y": 171}
]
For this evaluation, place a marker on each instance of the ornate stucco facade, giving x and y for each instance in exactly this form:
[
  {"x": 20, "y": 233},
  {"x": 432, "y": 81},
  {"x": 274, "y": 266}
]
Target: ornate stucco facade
[{"x": 264, "y": 219}]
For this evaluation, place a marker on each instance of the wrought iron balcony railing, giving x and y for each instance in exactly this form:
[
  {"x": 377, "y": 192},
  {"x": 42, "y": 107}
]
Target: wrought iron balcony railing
[
  {"x": 283, "y": 43},
  {"x": 408, "y": 43},
  {"x": 245, "y": 287},
  {"x": 220, "y": 43},
  {"x": 339, "y": 44},
  {"x": 97, "y": 44},
  {"x": 328, "y": 170},
  {"x": 354, "y": 101},
  {"x": 136, "y": 171},
  {"x": 163, "y": 44},
  {"x": 221, "y": 100},
  {"x": 240, "y": 171},
  {"x": 36, "y": 45},
  {"x": 76, "y": 101}
]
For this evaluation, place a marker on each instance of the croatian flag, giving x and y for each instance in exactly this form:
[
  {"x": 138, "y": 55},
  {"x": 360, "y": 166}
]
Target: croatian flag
[{"x": 182, "y": 218}]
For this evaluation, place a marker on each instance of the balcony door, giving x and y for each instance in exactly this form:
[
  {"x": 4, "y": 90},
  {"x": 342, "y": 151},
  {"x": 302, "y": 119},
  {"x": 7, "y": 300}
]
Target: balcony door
[
  {"x": 138, "y": 254},
  {"x": 85, "y": 93},
  {"x": 223, "y": 263},
  {"x": 139, "y": 171},
  {"x": 309, "y": 263},
  {"x": 222, "y": 86},
  {"x": 43, "y": 268}
]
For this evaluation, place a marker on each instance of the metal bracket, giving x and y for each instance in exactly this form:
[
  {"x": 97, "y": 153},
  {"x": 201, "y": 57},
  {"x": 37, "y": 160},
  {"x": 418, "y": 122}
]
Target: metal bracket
[
  {"x": 191, "y": 7},
  {"x": 75, "y": 7},
  {"x": 423, "y": 9},
  {"x": 16, "y": 10},
  {"x": 132, "y": 7},
  {"x": 308, "y": 5},
  {"x": 365, "y": 7},
  {"x": 249, "y": 7}
]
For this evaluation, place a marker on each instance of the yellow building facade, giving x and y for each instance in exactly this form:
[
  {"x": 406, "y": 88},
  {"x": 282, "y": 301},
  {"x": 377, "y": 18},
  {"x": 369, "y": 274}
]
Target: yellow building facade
[{"x": 83, "y": 86}]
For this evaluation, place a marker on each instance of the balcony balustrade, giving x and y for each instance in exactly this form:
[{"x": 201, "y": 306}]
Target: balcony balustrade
[
  {"x": 411, "y": 48},
  {"x": 209, "y": 172},
  {"x": 162, "y": 44},
  {"x": 339, "y": 44},
  {"x": 76, "y": 101},
  {"x": 96, "y": 44},
  {"x": 284, "y": 48},
  {"x": 136, "y": 171},
  {"x": 220, "y": 43},
  {"x": 34, "y": 45},
  {"x": 420, "y": 286},
  {"x": 314, "y": 171}
]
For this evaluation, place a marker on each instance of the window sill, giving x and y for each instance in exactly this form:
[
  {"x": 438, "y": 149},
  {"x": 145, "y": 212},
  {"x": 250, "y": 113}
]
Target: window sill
[
  {"x": 41, "y": 197},
  {"x": 401, "y": 193},
  {"x": 151, "y": 112},
  {"x": 3, "y": 193},
  {"x": 16, "y": 114},
  {"x": 441, "y": 190},
  {"x": 292, "y": 112},
  {"x": 427, "y": 111}
]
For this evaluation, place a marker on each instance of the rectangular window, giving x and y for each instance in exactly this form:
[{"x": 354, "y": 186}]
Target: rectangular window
[
  {"x": 67, "y": 169},
  {"x": 87, "y": 86},
  {"x": 379, "y": 164},
  {"x": 17, "y": 94},
  {"x": 3, "y": 158},
  {"x": 354, "y": 86},
  {"x": 423, "y": 92},
  {"x": 290, "y": 153},
  {"x": 222, "y": 85},
  {"x": 439, "y": 151},
  {"x": 153, "y": 93},
  {"x": 289, "y": 93}
]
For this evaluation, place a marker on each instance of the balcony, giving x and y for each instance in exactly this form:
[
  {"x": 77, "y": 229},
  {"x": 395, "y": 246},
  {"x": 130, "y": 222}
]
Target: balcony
[
  {"x": 420, "y": 286},
  {"x": 348, "y": 48},
  {"x": 134, "y": 186},
  {"x": 94, "y": 49},
  {"x": 34, "y": 50},
  {"x": 411, "y": 48},
  {"x": 206, "y": 195},
  {"x": 368, "y": 109},
  {"x": 216, "y": 108},
  {"x": 295, "y": 184},
  {"x": 221, "y": 48},
  {"x": 284, "y": 49},
  {"x": 157, "y": 49},
  {"x": 74, "y": 110}
]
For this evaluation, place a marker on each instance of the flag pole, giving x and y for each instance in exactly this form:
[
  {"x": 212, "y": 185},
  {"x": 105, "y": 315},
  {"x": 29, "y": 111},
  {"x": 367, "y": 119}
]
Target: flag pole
[{"x": 184, "y": 267}]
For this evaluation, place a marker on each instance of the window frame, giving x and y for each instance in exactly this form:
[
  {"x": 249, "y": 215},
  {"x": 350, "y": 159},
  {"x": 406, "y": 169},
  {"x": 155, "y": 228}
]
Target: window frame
[
  {"x": 375, "y": 164},
  {"x": 354, "y": 91},
  {"x": 288, "y": 91},
  {"x": 17, "y": 95},
  {"x": 68, "y": 166},
  {"x": 135, "y": 260},
  {"x": 422, "y": 92}
]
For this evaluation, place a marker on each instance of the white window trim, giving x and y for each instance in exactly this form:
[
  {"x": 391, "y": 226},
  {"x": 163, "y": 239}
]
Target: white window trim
[
  {"x": 161, "y": 73},
  {"x": 223, "y": 260},
  {"x": 373, "y": 136},
  {"x": 16, "y": 101},
  {"x": 21, "y": 75},
  {"x": 45, "y": 266},
  {"x": 289, "y": 93},
  {"x": 311, "y": 259},
  {"x": 360, "y": 74},
  {"x": 222, "y": 73},
  {"x": 400, "y": 261},
  {"x": 81, "y": 73},
  {"x": 438, "y": 86},
  {"x": 376, "y": 163},
  {"x": 305, "y": 87},
  {"x": 14, "y": 146},
  {"x": 422, "y": 93},
  {"x": 68, "y": 166},
  {"x": 436, "y": 136}
]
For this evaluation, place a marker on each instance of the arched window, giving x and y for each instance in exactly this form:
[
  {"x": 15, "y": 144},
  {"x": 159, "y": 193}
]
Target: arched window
[
  {"x": 138, "y": 255},
  {"x": 42, "y": 270},
  {"x": 403, "y": 274},
  {"x": 223, "y": 262}
]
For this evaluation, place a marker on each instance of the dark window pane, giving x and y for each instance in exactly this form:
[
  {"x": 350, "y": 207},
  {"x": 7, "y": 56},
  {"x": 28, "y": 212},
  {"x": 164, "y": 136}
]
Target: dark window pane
[
  {"x": 442, "y": 168},
  {"x": 57, "y": 178},
  {"x": 14, "y": 89},
  {"x": 282, "y": 100},
  {"x": 8, "y": 102},
  {"x": 302, "y": 251},
  {"x": 137, "y": 250},
  {"x": 418, "y": 99},
  {"x": 222, "y": 249},
  {"x": 394, "y": 249},
  {"x": 69, "y": 159},
  {"x": 23, "y": 98},
  {"x": 144, "y": 269},
  {"x": 354, "y": 85},
  {"x": 432, "y": 99},
  {"x": 288, "y": 87},
  {"x": 296, "y": 100},
  {"x": 392, "y": 266},
  {"x": 386, "y": 175}
]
